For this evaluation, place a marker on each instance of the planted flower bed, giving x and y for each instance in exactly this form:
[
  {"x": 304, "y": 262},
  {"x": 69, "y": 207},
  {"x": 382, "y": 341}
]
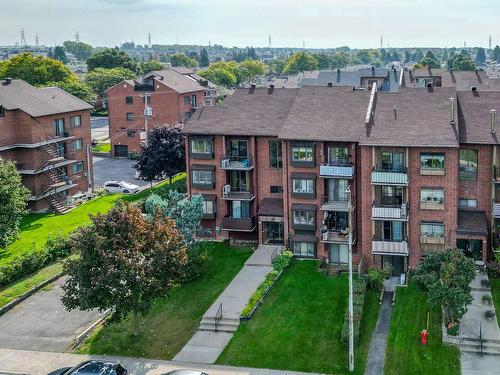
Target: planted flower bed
[
  {"x": 359, "y": 290},
  {"x": 280, "y": 264}
]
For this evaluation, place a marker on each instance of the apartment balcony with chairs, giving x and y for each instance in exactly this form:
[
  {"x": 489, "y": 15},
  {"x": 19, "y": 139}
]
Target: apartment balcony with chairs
[
  {"x": 239, "y": 163},
  {"x": 238, "y": 224},
  {"x": 397, "y": 177},
  {"x": 335, "y": 236},
  {"x": 231, "y": 193},
  {"x": 330, "y": 203},
  {"x": 389, "y": 212},
  {"x": 336, "y": 170},
  {"x": 389, "y": 247}
]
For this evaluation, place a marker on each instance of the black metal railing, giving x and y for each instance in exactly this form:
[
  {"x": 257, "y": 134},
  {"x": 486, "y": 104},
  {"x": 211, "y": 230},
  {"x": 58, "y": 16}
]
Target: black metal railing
[
  {"x": 218, "y": 317},
  {"x": 277, "y": 251}
]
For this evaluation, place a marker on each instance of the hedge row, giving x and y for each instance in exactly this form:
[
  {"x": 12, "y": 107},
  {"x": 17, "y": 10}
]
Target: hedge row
[{"x": 359, "y": 290}]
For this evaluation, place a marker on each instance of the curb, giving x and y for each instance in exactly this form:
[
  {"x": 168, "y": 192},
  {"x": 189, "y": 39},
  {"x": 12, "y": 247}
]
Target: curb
[
  {"x": 29, "y": 293},
  {"x": 82, "y": 336}
]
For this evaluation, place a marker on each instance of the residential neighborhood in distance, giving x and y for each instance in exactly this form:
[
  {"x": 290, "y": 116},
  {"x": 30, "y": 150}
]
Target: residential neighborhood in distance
[{"x": 249, "y": 188}]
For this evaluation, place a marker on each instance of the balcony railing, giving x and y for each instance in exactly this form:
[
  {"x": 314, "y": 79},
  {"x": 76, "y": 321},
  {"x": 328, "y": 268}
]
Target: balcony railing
[
  {"x": 238, "y": 224},
  {"x": 144, "y": 87},
  {"x": 236, "y": 194},
  {"x": 387, "y": 247},
  {"x": 432, "y": 239},
  {"x": 335, "y": 204},
  {"x": 335, "y": 236},
  {"x": 395, "y": 212},
  {"x": 425, "y": 171},
  {"x": 390, "y": 177},
  {"x": 243, "y": 163},
  {"x": 336, "y": 169},
  {"x": 496, "y": 210}
]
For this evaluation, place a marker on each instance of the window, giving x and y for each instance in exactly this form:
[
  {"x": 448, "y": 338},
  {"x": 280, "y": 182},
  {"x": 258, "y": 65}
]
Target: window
[
  {"x": 276, "y": 189},
  {"x": 337, "y": 189},
  {"x": 187, "y": 116},
  {"x": 338, "y": 156},
  {"x": 2, "y": 111},
  {"x": 187, "y": 99},
  {"x": 304, "y": 217},
  {"x": 393, "y": 231},
  {"x": 468, "y": 165},
  {"x": 275, "y": 157},
  {"x": 75, "y": 121},
  {"x": 203, "y": 177},
  {"x": 129, "y": 100},
  {"x": 76, "y": 145},
  {"x": 392, "y": 161},
  {"x": 59, "y": 127},
  {"x": 77, "y": 167},
  {"x": 338, "y": 253},
  {"x": 130, "y": 133},
  {"x": 130, "y": 116},
  {"x": 304, "y": 249},
  {"x": 303, "y": 153},
  {"x": 431, "y": 163},
  {"x": 193, "y": 101},
  {"x": 467, "y": 203},
  {"x": 208, "y": 207},
  {"x": 238, "y": 148},
  {"x": 431, "y": 198},
  {"x": 303, "y": 186},
  {"x": 391, "y": 195},
  {"x": 240, "y": 209},
  {"x": 432, "y": 229},
  {"x": 148, "y": 98},
  {"x": 201, "y": 146},
  {"x": 336, "y": 221}
]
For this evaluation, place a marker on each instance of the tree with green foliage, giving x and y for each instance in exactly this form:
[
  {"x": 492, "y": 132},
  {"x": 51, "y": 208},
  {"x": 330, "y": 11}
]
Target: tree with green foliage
[
  {"x": 82, "y": 51},
  {"x": 219, "y": 76},
  {"x": 496, "y": 54},
  {"x": 60, "y": 55},
  {"x": 77, "y": 88},
  {"x": 445, "y": 277},
  {"x": 125, "y": 262},
  {"x": 36, "y": 70},
  {"x": 112, "y": 58},
  {"x": 461, "y": 62},
  {"x": 13, "y": 199},
  {"x": 186, "y": 212},
  {"x": 418, "y": 55},
  {"x": 249, "y": 70},
  {"x": 204, "y": 60},
  {"x": 164, "y": 154},
  {"x": 324, "y": 61},
  {"x": 180, "y": 59},
  {"x": 276, "y": 66},
  {"x": 480, "y": 56},
  {"x": 429, "y": 61},
  {"x": 101, "y": 79},
  {"x": 300, "y": 62},
  {"x": 340, "y": 60},
  {"x": 407, "y": 58},
  {"x": 251, "y": 53},
  {"x": 150, "y": 65}
]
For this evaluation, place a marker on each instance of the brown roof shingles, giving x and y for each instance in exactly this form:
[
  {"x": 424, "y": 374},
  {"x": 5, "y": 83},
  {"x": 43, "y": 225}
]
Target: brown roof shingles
[{"x": 461, "y": 80}]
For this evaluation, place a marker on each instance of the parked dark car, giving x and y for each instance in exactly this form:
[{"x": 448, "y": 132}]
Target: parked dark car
[{"x": 92, "y": 368}]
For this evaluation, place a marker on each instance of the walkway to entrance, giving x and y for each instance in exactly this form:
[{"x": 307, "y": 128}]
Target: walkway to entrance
[{"x": 207, "y": 344}]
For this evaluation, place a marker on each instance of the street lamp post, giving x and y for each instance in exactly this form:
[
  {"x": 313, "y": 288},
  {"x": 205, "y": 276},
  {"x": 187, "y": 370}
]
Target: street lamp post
[{"x": 351, "y": 312}]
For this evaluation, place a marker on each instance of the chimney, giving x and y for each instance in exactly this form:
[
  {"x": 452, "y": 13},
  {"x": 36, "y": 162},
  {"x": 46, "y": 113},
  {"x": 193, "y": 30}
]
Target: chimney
[
  {"x": 8, "y": 81},
  {"x": 330, "y": 84},
  {"x": 373, "y": 70},
  {"x": 452, "y": 111},
  {"x": 493, "y": 120},
  {"x": 252, "y": 89}
]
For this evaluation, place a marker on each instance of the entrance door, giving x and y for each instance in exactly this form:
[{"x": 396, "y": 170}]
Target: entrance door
[
  {"x": 121, "y": 151},
  {"x": 471, "y": 248},
  {"x": 273, "y": 233},
  {"x": 397, "y": 263}
]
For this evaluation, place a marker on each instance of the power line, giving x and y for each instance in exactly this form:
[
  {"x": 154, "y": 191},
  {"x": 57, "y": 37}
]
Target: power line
[{"x": 23, "y": 39}]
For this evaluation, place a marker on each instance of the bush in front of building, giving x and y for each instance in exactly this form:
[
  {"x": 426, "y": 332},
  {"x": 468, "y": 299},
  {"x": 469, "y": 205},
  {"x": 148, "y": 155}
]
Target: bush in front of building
[
  {"x": 375, "y": 278},
  {"x": 282, "y": 261}
]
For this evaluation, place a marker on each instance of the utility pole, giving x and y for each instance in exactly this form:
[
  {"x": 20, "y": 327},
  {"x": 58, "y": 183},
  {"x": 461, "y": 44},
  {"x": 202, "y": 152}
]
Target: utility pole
[
  {"x": 148, "y": 112},
  {"x": 23, "y": 39},
  {"x": 351, "y": 308}
]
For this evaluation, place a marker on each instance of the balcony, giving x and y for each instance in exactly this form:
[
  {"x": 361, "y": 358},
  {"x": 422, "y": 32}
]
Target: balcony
[
  {"x": 386, "y": 247},
  {"x": 144, "y": 87},
  {"x": 335, "y": 236},
  {"x": 230, "y": 193},
  {"x": 496, "y": 210},
  {"x": 336, "y": 170},
  {"x": 395, "y": 212},
  {"x": 237, "y": 163},
  {"x": 390, "y": 177},
  {"x": 334, "y": 204},
  {"x": 425, "y": 171},
  {"x": 238, "y": 224}
]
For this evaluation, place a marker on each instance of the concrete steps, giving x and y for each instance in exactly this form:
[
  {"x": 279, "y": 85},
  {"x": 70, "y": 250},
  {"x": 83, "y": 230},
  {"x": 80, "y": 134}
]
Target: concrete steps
[
  {"x": 224, "y": 325},
  {"x": 473, "y": 345}
]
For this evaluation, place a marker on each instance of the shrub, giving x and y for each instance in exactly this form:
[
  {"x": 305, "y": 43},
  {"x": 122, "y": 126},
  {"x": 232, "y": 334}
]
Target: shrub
[
  {"x": 453, "y": 328},
  {"x": 197, "y": 260},
  {"x": 359, "y": 290},
  {"x": 375, "y": 278},
  {"x": 259, "y": 293},
  {"x": 282, "y": 261},
  {"x": 493, "y": 269}
]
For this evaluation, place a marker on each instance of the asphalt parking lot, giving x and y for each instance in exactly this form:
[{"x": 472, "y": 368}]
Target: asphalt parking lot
[{"x": 108, "y": 169}]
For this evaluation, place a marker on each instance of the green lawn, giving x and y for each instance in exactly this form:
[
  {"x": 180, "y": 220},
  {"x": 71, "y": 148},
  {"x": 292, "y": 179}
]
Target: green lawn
[
  {"x": 35, "y": 228},
  {"x": 102, "y": 147},
  {"x": 12, "y": 291},
  {"x": 495, "y": 291},
  {"x": 404, "y": 350},
  {"x": 299, "y": 326},
  {"x": 173, "y": 320}
]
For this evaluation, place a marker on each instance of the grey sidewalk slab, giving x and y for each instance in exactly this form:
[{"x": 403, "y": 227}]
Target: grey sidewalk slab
[{"x": 38, "y": 363}]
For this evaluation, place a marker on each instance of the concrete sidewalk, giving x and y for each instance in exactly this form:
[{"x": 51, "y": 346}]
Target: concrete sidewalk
[
  {"x": 206, "y": 345},
  {"x": 38, "y": 363}
]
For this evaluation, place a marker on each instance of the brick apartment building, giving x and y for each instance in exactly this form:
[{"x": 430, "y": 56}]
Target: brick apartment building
[
  {"x": 172, "y": 95},
  {"x": 46, "y": 131},
  {"x": 275, "y": 165}
]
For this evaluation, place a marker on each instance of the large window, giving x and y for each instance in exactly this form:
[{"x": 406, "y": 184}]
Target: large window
[
  {"x": 208, "y": 207},
  {"x": 338, "y": 253},
  {"x": 240, "y": 209},
  {"x": 468, "y": 165},
  {"x": 75, "y": 121},
  {"x": 77, "y": 167},
  {"x": 203, "y": 177},
  {"x": 432, "y": 230},
  {"x": 238, "y": 148},
  {"x": 275, "y": 158},
  {"x": 303, "y": 186},
  {"x": 392, "y": 161},
  {"x": 76, "y": 145},
  {"x": 304, "y": 217},
  {"x": 338, "y": 155},
  {"x": 467, "y": 203},
  {"x": 391, "y": 195},
  {"x": 337, "y": 189},
  {"x": 431, "y": 198},
  {"x": 303, "y": 153},
  {"x": 304, "y": 249},
  {"x": 201, "y": 146},
  {"x": 431, "y": 163},
  {"x": 59, "y": 127},
  {"x": 393, "y": 231}
]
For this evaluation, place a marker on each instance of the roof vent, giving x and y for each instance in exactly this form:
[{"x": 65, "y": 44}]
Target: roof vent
[
  {"x": 330, "y": 84},
  {"x": 473, "y": 89},
  {"x": 452, "y": 111},
  {"x": 493, "y": 120},
  {"x": 8, "y": 81}
]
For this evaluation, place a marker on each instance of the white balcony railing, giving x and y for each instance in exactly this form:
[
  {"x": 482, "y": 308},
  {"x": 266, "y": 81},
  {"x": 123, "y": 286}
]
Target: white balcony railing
[
  {"x": 390, "y": 212},
  {"x": 329, "y": 170},
  {"x": 389, "y": 248},
  {"x": 496, "y": 210},
  {"x": 389, "y": 177}
]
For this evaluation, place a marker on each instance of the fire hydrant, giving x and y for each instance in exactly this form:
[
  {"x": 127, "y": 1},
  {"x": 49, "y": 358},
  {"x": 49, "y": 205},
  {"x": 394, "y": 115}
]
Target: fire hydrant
[{"x": 424, "y": 336}]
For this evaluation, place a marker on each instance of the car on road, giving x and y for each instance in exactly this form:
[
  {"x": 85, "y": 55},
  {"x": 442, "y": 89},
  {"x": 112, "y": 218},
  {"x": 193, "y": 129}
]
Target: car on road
[
  {"x": 186, "y": 372},
  {"x": 93, "y": 367},
  {"x": 120, "y": 187}
]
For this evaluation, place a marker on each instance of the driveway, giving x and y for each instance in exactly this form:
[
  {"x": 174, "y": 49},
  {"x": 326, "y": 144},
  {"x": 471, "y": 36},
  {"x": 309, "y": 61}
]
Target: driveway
[
  {"x": 99, "y": 127},
  {"x": 42, "y": 323},
  {"x": 108, "y": 169}
]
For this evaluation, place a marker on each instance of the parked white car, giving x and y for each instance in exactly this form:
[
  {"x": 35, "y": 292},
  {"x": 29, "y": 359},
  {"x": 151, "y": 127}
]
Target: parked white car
[{"x": 120, "y": 187}]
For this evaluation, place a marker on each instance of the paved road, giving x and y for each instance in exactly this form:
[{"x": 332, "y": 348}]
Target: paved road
[
  {"x": 42, "y": 323},
  {"x": 99, "y": 127},
  {"x": 34, "y": 363},
  {"x": 106, "y": 169}
]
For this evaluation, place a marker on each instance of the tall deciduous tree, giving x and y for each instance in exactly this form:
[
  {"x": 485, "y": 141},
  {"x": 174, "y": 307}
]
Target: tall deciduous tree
[
  {"x": 13, "y": 198},
  {"x": 148, "y": 66},
  {"x": 300, "y": 62},
  {"x": 480, "y": 56},
  {"x": 126, "y": 261},
  {"x": 82, "y": 51},
  {"x": 250, "y": 69},
  {"x": 112, "y": 58},
  {"x": 60, "y": 55},
  {"x": 496, "y": 53},
  {"x": 430, "y": 61},
  {"x": 204, "y": 61},
  {"x": 445, "y": 277},
  {"x": 164, "y": 153},
  {"x": 101, "y": 79},
  {"x": 180, "y": 59},
  {"x": 461, "y": 62}
]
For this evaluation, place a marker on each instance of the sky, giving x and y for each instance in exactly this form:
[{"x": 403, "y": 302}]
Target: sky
[{"x": 316, "y": 23}]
